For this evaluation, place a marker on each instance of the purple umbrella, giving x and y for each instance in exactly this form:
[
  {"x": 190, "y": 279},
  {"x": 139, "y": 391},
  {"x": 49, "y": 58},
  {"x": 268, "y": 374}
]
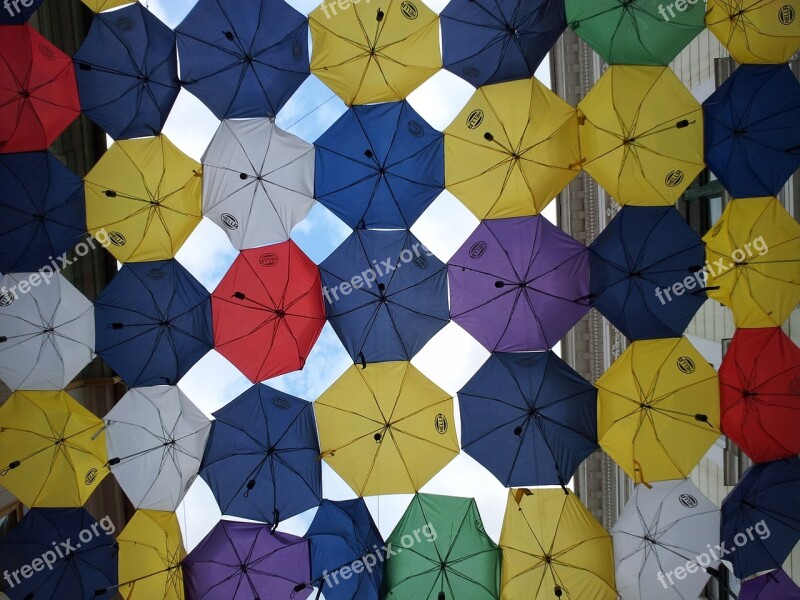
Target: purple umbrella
[
  {"x": 519, "y": 284},
  {"x": 246, "y": 561},
  {"x": 775, "y": 585}
]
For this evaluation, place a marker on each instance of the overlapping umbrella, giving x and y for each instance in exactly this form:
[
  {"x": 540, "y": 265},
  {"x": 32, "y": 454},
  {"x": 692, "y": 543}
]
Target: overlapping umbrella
[
  {"x": 772, "y": 585},
  {"x": 100, "y": 5}
]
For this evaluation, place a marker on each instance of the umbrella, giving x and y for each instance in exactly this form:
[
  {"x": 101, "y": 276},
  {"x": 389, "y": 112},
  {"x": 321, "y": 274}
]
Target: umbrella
[
  {"x": 258, "y": 181},
  {"x": 386, "y": 295},
  {"x": 646, "y": 272},
  {"x": 38, "y": 95},
  {"x": 16, "y": 13},
  {"x": 42, "y": 210},
  {"x": 153, "y": 323},
  {"x": 770, "y": 586},
  {"x": 752, "y": 130},
  {"x": 46, "y": 331},
  {"x": 379, "y": 166},
  {"x": 127, "y": 72},
  {"x": 491, "y": 41},
  {"x": 98, "y": 5},
  {"x": 243, "y": 59},
  {"x": 528, "y": 418},
  {"x": 268, "y": 311},
  {"x": 53, "y": 450},
  {"x": 368, "y": 53},
  {"x": 658, "y": 409},
  {"x": 242, "y": 561},
  {"x": 155, "y": 438},
  {"x": 262, "y": 459},
  {"x": 386, "y": 429},
  {"x": 641, "y": 135},
  {"x": 753, "y": 251},
  {"x": 454, "y": 559},
  {"x": 553, "y": 546},
  {"x": 519, "y": 284},
  {"x": 144, "y": 194},
  {"x": 511, "y": 149}
]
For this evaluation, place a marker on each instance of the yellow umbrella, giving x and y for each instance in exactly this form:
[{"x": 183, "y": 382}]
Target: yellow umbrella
[
  {"x": 52, "y": 450},
  {"x": 554, "y": 548},
  {"x": 511, "y": 150},
  {"x": 641, "y": 135},
  {"x": 98, "y": 5},
  {"x": 374, "y": 52},
  {"x": 143, "y": 197},
  {"x": 753, "y": 263},
  {"x": 386, "y": 429},
  {"x": 658, "y": 409}
]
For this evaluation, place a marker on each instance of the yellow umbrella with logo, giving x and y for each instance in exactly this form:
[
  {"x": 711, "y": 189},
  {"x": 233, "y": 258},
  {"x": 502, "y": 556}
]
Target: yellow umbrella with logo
[{"x": 386, "y": 428}]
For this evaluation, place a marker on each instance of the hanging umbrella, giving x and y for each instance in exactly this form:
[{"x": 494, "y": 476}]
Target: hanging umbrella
[
  {"x": 386, "y": 429},
  {"x": 646, "y": 272},
  {"x": 144, "y": 195},
  {"x": 658, "y": 409},
  {"x": 53, "y": 450},
  {"x": 511, "y": 150},
  {"x": 258, "y": 181},
  {"x": 775, "y": 585},
  {"x": 268, "y": 311},
  {"x": 38, "y": 95},
  {"x": 153, "y": 323},
  {"x": 454, "y": 559},
  {"x": 379, "y": 166},
  {"x": 18, "y": 13},
  {"x": 386, "y": 295},
  {"x": 262, "y": 459},
  {"x": 641, "y": 135},
  {"x": 519, "y": 284},
  {"x": 553, "y": 546},
  {"x": 243, "y": 59},
  {"x": 98, "y": 5}
]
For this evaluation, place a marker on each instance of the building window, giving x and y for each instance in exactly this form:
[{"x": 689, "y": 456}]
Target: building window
[{"x": 701, "y": 204}]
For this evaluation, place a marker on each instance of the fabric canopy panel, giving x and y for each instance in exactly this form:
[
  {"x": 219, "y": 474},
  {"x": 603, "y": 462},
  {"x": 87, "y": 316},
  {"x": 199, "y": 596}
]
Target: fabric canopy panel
[{"x": 770, "y": 586}]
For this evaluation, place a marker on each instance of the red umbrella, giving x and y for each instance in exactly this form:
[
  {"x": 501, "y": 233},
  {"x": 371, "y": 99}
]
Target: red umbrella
[
  {"x": 268, "y": 311},
  {"x": 38, "y": 94},
  {"x": 760, "y": 393}
]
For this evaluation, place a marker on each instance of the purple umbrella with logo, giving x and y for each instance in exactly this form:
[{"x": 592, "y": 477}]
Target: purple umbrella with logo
[{"x": 775, "y": 585}]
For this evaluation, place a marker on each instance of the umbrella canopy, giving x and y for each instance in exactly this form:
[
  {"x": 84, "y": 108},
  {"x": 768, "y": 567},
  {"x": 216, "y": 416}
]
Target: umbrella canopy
[
  {"x": 153, "y": 323},
  {"x": 455, "y": 559},
  {"x": 379, "y": 166},
  {"x": 641, "y": 135},
  {"x": 18, "y": 13},
  {"x": 262, "y": 459},
  {"x": 752, "y": 129},
  {"x": 553, "y": 546},
  {"x": 511, "y": 150},
  {"x": 658, "y": 409},
  {"x": 98, "y": 5},
  {"x": 528, "y": 418},
  {"x": 144, "y": 196},
  {"x": 243, "y": 59},
  {"x": 646, "y": 272},
  {"x": 392, "y": 312},
  {"x": 386, "y": 429},
  {"x": 770, "y": 586},
  {"x": 519, "y": 284},
  {"x": 268, "y": 311},
  {"x": 155, "y": 438},
  {"x": 53, "y": 450},
  {"x": 38, "y": 94},
  {"x": 258, "y": 181}
]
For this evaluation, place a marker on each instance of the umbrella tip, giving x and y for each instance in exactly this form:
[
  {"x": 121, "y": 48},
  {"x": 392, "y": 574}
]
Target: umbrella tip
[
  {"x": 557, "y": 591},
  {"x": 441, "y": 596}
]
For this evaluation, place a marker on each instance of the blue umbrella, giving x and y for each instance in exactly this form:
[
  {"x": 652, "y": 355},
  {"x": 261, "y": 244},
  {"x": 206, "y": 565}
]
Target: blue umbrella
[
  {"x": 646, "y": 272},
  {"x": 42, "y": 211},
  {"x": 243, "y": 59},
  {"x": 262, "y": 458},
  {"x": 127, "y": 72},
  {"x": 528, "y": 418},
  {"x": 752, "y": 130},
  {"x": 379, "y": 166},
  {"x": 17, "y": 12},
  {"x": 153, "y": 323},
  {"x": 385, "y": 295}
]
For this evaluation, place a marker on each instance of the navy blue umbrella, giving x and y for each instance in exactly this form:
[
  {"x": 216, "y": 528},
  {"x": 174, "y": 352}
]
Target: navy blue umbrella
[
  {"x": 752, "y": 130},
  {"x": 646, "y": 272},
  {"x": 262, "y": 458},
  {"x": 379, "y": 166},
  {"x": 42, "y": 211},
  {"x": 15, "y": 12},
  {"x": 528, "y": 418},
  {"x": 153, "y": 323}
]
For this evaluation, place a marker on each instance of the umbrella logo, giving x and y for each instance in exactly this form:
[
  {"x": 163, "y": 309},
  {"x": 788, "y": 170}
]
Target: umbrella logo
[
  {"x": 477, "y": 250},
  {"x": 268, "y": 260},
  {"x": 156, "y": 274},
  {"x": 420, "y": 262},
  {"x": 472, "y": 72},
  {"x": 527, "y": 362},
  {"x": 6, "y": 299},
  {"x": 686, "y": 365},
  {"x": 415, "y": 128},
  {"x": 479, "y": 526},
  {"x": 125, "y": 23},
  {"x": 794, "y": 386},
  {"x": 91, "y": 475},
  {"x": 47, "y": 51},
  {"x": 281, "y": 402},
  {"x": 116, "y": 238},
  {"x": 786, "y": 14},
  {"x": 717, "y": 229},
  {"x": 409, "y": 10},
  {"x": 674, "y": 178},
  {"x": 229, "y": 221},
  {"x": 297, "y": 50},
  {"x": 688, "y": 500},
  {"x": 441, "y": 424},
  {"x": 475, "y": 119}
]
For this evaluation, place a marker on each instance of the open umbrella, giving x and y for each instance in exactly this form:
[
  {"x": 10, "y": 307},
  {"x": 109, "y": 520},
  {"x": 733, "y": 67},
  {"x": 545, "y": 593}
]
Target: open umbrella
[
  {"x": 99, "y": 5},
  {"x": 17, "y": 13},
  {"x": 386, "y": 429},
  {"x": 775, "y": 585}
]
